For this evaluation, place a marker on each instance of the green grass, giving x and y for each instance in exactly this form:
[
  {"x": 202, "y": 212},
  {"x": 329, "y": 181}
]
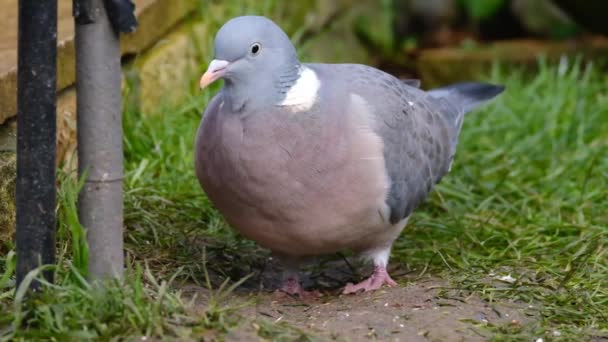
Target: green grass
[{"x": 527, "y": 196}]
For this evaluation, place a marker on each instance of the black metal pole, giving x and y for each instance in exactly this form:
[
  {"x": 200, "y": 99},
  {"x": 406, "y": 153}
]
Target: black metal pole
[{"x": 36, "y": 130}]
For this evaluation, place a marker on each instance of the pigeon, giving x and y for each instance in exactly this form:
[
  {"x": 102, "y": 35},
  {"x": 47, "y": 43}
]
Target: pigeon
[{"x": 310, "y": 159}]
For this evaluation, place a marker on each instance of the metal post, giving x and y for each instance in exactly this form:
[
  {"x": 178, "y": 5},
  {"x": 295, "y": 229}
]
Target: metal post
[
  {"x": 100, "y": 154},
  {"x": 36, "y": 131}
]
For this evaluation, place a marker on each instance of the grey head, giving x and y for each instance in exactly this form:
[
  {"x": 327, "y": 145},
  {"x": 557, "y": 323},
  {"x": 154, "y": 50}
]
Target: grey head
[{"x": 256, "y": 59}]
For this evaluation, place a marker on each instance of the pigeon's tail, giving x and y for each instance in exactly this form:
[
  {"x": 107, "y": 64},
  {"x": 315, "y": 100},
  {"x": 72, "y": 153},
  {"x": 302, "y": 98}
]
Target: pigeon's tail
[
  {"x": 467, "y": 95},
  {"x": 457, "y": 99}
]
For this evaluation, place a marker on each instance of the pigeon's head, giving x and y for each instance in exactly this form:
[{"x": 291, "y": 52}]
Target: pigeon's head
[{"x": 248, "y": 49}]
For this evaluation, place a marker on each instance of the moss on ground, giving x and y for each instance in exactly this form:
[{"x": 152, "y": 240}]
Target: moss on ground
[{"x": 8, "y": 169}]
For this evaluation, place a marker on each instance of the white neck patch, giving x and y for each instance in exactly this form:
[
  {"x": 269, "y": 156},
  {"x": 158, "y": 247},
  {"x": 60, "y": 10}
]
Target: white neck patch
[{"x": 303, "y": 94}]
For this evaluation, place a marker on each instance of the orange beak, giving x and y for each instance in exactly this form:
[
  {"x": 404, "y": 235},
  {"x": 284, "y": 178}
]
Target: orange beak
[{"x": 216, "y": 70}]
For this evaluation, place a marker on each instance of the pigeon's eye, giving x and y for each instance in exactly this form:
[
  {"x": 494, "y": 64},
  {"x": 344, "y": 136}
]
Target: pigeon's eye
[{"x": 255, "y": 49}]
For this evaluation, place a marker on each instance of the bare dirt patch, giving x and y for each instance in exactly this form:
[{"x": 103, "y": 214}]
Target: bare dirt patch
[{"x": 419, "y": 309}]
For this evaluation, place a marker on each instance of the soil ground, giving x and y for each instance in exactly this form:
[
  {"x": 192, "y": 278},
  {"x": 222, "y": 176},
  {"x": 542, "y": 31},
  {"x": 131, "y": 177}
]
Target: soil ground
[{"x": 418, "y": 309}]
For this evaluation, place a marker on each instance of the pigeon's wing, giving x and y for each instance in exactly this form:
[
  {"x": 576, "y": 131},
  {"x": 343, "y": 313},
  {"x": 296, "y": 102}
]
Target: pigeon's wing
[
  {"x": 416, "y": 136},
  {"x": 417, "y": 148},
  {"x": 419, "y": 130}
]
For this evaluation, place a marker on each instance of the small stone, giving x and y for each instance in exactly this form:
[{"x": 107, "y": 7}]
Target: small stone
[
  {"x": 423, "y": 333},
  {"x": 481, "y": 317},
  {"x": 507, "y": 279}
]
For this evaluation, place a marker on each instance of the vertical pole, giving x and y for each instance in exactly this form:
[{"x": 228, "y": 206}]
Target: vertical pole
[
  {"x": 99, "y": 130},
  {"x": 36, "y": 131}
]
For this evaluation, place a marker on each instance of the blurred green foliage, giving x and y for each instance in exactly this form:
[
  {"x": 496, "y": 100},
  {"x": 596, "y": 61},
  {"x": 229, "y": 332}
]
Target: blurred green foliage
[{"x": 481, "y": 9}]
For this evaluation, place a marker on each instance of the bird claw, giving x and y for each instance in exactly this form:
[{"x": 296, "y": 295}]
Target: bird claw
[
  {"x": 291, "y": 287},
  {"x": 379, "y": 278}
]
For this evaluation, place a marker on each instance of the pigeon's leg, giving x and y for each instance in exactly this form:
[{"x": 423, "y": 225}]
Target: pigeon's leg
[
  {"x": 378, "y": 278},
  {"x": 291, "y": 280}
]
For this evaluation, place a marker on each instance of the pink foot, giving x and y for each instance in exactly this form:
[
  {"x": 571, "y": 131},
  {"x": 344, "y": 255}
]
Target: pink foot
[
  {"x": 374, "y": 282},
  {"x": 291, "y": 287}
]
